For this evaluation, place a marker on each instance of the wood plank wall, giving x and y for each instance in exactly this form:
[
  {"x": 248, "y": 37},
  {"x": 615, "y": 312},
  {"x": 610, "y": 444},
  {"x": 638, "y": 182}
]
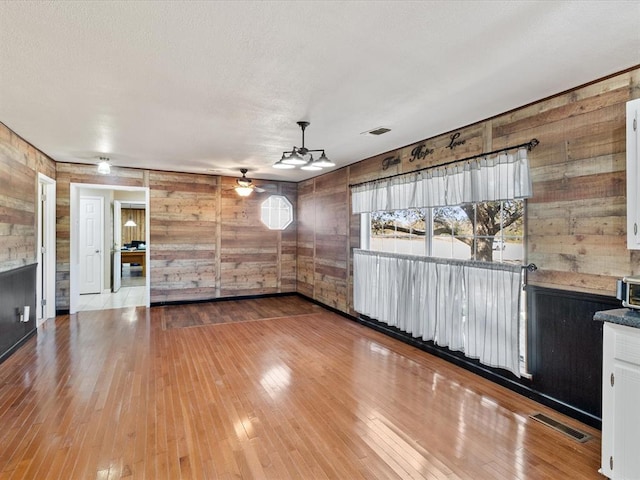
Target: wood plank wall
[
  {"x": 205, "y": 241},
  {"x": 323, "y": 239},
  {"x": 575, "y": 221},
  {"x": 132, "y": 233},
  {"x": 20, "y": 163}
]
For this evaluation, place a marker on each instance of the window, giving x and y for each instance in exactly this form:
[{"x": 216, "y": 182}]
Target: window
[
  {"x": 400, "y": 231},
  {"x": 276, "y": 212},
  {"x": 488, "y": 231}
]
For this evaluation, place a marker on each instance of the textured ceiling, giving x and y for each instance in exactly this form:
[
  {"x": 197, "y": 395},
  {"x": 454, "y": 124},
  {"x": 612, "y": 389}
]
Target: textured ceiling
[{"x": 210, "y": 87}]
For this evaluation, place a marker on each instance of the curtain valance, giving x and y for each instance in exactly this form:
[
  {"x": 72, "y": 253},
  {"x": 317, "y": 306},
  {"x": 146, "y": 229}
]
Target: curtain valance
[{"x": 504, "y": 176}]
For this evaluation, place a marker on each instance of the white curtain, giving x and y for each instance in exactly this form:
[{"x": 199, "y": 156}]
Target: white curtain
[
  {"x": 501, "y": 177},
  {"x": 472, "y": 307}
]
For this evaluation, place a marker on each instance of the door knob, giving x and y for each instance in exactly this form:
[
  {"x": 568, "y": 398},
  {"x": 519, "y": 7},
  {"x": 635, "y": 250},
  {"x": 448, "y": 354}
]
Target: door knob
[{"x": 97, "y": 251}]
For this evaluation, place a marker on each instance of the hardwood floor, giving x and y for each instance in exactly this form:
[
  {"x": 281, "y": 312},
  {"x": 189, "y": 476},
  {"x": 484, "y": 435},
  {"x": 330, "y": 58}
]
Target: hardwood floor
[
  {"x": 112, "y": 394},
  {"x": 228, "y": 311}
]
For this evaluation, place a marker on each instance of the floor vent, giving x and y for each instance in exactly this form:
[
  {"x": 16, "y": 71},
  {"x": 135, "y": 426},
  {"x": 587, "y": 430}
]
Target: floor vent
[{"x": 561, "y": 427}]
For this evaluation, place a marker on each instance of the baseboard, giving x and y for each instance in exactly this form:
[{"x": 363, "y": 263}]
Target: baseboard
[{"x": 17, "y": 345}]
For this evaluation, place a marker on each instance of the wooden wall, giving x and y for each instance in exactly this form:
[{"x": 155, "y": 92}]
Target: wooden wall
[
  {"x": 323, "y": 239},
  {"x": 133, "y": 233},
  {"x": 20, "y": 163},
  {"x": 207, "y": 237},
  {"x": 575, "y": 221},
  {"x": 205, "y": 241}
]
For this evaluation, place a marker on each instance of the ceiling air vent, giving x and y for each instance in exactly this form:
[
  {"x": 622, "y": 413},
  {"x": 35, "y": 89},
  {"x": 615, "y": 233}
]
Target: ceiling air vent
[{"x": 377, "y": 131}]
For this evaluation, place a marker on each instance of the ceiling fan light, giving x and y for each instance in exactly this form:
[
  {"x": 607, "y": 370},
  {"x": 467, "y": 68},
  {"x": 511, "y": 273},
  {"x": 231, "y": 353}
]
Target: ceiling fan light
[
  {"x": 243, "y": 191},
  {"x": 324, "y": 162},
  {"x": 104, "y": 168}
]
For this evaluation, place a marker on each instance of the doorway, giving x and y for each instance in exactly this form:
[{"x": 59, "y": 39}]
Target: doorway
[
  {"x": 111, "y": 294},
  {"x": 130, "y": 233},
  {"x": 46, "y": 250}
]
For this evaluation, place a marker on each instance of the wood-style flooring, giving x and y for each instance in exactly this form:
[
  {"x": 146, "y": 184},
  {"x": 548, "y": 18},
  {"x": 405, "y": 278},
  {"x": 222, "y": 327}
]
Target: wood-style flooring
[{"x": 114, "y": 394}]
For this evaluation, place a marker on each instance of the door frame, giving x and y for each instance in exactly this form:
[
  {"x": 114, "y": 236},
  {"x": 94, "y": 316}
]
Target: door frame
[
  {"x": 74, "y": 238},
  {"x": 46, "y": 283},
  {"x": 116, "y": 264}
]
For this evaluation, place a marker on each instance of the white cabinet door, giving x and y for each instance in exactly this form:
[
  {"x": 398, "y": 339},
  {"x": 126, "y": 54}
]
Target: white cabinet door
[
  {"x": 626, "y": 460},
  {"x": 633, "y": 174},
  {"x": 620, "y": 401}
]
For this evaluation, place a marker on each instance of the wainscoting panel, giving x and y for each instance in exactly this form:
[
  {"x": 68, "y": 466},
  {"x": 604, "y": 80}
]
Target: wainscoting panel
[
  {"x": 565, "y": 346},
  {"x": 17, "y": 290}
]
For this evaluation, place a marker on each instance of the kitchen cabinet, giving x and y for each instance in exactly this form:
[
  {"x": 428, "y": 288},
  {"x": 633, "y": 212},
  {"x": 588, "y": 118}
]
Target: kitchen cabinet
[
  {"x": 620, "y": 402},
  {"x": 633, "y": 174}
]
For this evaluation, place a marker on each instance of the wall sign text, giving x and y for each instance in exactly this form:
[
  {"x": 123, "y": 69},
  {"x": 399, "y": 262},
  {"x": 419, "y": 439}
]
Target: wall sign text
[
  {"x": 389, "y": 161},
  {"x": 454, "y": 141},
  {"x": 420, "y": 152}
]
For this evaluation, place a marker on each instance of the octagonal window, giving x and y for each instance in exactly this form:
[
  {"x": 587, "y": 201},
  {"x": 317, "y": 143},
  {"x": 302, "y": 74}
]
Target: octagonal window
[{"x": 276, "y": 212}]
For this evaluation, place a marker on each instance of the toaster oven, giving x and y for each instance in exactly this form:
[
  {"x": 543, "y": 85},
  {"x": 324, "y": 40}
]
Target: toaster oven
[{"x": 628, "y": 290}]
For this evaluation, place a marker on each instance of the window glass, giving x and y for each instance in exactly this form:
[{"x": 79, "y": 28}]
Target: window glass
[
  {"x": 276, "y": 212},
  {"x": 490, "y": 231},
  {"x": 399, "y": 231}
]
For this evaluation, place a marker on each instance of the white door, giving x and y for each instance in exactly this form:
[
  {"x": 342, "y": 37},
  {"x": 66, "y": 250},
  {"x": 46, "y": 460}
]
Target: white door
[
  {"x": 116, "y": 271},
  {"x": 41, "y": 285},
  {"x": 46, "y": 271},
  {"x": 91, "y": 240}
]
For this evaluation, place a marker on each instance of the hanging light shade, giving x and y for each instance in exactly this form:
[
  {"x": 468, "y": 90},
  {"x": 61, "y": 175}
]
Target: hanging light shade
[
  {"x": 243, "y": 191},
  {"x": 311, "y": 165},
  {"x": 130, "y": 223},
  {"x": 301, "y": 156},
  {"x": 281, "y": 165},
  {"x": 294, "y": 158},
  {"x": 324, "y": 162}
]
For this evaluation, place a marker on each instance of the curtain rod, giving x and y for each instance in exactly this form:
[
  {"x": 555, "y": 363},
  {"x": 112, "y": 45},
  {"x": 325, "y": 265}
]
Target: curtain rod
[{"x": 530, "y": 146}]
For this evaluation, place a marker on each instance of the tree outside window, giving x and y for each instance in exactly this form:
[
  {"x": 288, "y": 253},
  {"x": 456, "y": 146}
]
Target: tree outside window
[{"x": 489, "y": 231}]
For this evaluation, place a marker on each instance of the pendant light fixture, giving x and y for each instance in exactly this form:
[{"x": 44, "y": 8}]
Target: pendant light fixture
[
  {"x": 302, "y": 156},
  {"x": 130, "y": 223}
]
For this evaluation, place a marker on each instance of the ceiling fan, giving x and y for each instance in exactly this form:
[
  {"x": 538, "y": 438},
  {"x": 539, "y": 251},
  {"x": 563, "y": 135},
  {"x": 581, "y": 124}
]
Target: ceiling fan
[{"x": 244, "y": 186}]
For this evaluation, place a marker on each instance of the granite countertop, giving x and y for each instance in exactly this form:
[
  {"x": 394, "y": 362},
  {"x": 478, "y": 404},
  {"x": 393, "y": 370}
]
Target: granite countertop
[{"x": 622, "y": 316}]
